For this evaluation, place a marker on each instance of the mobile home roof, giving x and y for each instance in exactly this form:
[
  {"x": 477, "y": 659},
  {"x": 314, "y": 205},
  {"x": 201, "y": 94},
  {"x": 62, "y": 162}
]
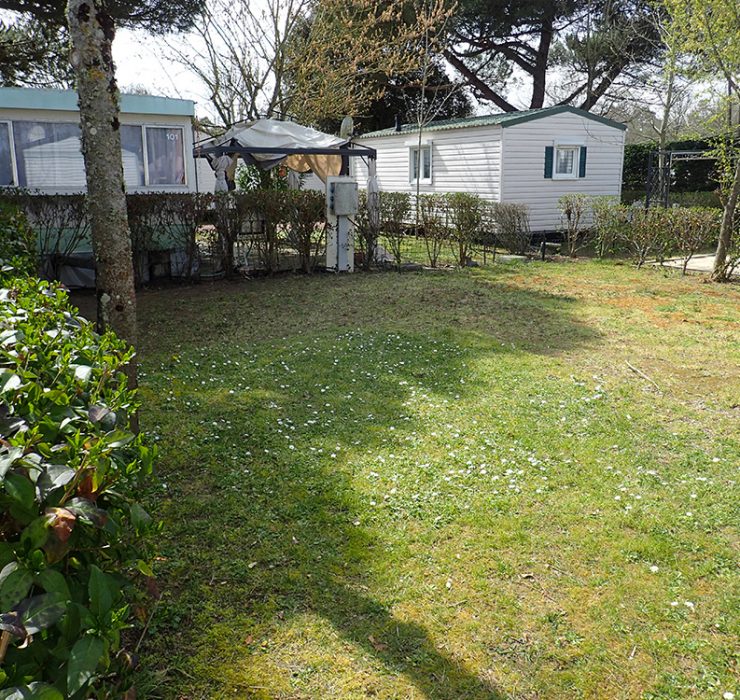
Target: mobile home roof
[
  {"x": 66, "y": 101},
  {"x": 503, "y": 119}
]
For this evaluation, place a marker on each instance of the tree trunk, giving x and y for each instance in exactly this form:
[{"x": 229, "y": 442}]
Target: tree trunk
[
  {"x": 719, "y": 273},
  {"x": 665, "y": 121},
  {"x": 91, "y": 33},
  {"x": 539, "y": 72}
]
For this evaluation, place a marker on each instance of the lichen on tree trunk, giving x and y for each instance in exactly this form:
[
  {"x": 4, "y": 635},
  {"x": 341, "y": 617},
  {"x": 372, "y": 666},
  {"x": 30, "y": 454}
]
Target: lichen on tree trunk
[{"x": 91, "y": 32}]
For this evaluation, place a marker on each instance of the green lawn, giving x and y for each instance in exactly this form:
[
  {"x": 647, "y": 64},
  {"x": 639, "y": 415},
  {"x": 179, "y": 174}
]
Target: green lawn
[{"x": 445, "y": 485}]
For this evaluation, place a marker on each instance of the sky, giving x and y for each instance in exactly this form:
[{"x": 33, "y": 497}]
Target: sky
[{"x": 140, "y": 63}]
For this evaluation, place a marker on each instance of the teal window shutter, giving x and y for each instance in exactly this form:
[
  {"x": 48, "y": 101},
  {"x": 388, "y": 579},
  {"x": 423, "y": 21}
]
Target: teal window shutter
[
  {"x": 548, "y": 160},
  {"x": 582, "y": 163}
]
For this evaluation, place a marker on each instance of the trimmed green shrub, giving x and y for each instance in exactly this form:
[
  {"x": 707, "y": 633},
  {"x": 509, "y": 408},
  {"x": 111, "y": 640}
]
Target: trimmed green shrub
[
  {"x": 367, "y": 227},
  {"x": 693, "y": 229},
  {"x": 183, "y": 214},
  {"x": 73, "y": 537},
  {"x": 269, "y": 206},
  {"x": 229, "y": 219},
  {"x": 695, "y": 199},
  {"x": 510, "y": 221},
  {"x": 467, "y": 216},
  {"x": 17, "y": 240},
  {"x": 394, "y": 213},
  {"x": 660, "y": 233},
  {"x": 573, "y": 208},
  {"x": 635, "y": 166},
  {"x": 433, "y": 216},
  {"x": 306, "y": 232},
  {"x": 59, "y": 221},
  {"x": 646, "y": 232},
  {"x": 686, "y": 175},
  {"x": 610, "y": 222},
  {"x": 148, "y": 221},
  {"x": 632, "y": 196}
]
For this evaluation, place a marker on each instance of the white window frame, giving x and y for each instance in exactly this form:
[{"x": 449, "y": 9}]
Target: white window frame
[
  {"x": 412, "y": 150},
  {"x": 11, "y": 143},
  {"x": 142, "y": 187},
  {"x": 157, "y": 187},
  {"x": 576, "y": 148}
]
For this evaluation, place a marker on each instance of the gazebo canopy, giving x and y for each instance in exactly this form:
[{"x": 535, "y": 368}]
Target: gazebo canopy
[{"x": 269, "y": 142}]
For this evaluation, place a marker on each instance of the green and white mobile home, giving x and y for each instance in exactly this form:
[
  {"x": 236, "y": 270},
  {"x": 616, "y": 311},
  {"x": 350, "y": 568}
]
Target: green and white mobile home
[
  {"x": 40, "y": 142},
  {"x": 531, "y": 157}
]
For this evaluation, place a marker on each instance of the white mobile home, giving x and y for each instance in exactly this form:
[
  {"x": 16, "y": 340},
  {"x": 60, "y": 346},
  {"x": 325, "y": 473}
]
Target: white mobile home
[
  {"x": 40, "y": 142},
  {"x": 531, "y": 157}
]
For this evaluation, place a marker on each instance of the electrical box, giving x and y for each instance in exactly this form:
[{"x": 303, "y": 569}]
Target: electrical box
[
  {"x": 343, "y": 199},
  {"x": 341, "y": 207}
]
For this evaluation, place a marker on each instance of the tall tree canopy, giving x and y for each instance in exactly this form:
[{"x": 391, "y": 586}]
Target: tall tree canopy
[
  {"x": 592, "y": 44},
  {"x": 342, "y": 55},
  {"x": 152, "y": 15},
  {"x": 33, "y": 54},
  {"x": 34, "y": 46},
  {"x": 444, "y": 98}
]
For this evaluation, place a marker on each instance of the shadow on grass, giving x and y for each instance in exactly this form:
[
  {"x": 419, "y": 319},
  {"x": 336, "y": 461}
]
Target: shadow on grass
[
  {"x": 261, "y": 523},
  {"x": 482, "y": 302},
  {"x": 403, "y": 647}
]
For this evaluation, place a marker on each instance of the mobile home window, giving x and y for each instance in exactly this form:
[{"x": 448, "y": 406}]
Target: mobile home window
[
  {"x": 7, "y": 178},
  {"x": 132, "y": 155},
  {"x": 420, "y": 164},
  {"x": 566, "y": 161},
  {"x": 48, "y": 155},
  {"x": 165, "y": 155}
]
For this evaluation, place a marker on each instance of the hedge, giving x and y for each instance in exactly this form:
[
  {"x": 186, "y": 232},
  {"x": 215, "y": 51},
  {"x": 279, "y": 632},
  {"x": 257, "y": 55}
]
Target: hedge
[
  {"x": 74, "y": 539},
  {"x": 17, "y": 245},
  {"x": 653, "y": 233},
  {"x": 269, "y": 225},
  {"x": 687, "y": 176}
]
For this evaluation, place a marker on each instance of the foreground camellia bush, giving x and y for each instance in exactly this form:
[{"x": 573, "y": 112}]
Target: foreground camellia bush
[{"x": 73, "y": 538}]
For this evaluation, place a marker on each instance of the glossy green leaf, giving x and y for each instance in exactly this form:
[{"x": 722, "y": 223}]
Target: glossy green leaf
[
  {"x": 36, "y": 533},
  {"x": 34, "y": 691},
  {"x": 83, "y": 373},
  {"x": 83, "y": 662},
  {"x": 53, "y": 581},
  {"x": 87, "y": 509},
  {"x": 15, "y": 582},
  {"x": 139, "y": 517},
  {"x": 20, "y": 489},
  {"x": 102, "y": 590},
  {"x": 54, "y": 476},
  {"x": 145, "y": 568},
  {"x": 119, "y": 438},
  {"x": 8, "y": 455},
  {"x": 7, "y": 553},
  {"x": 9, "y": 381},
  {"x": 42, "y": 611},
  {"x": 71, "y": 624}
]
